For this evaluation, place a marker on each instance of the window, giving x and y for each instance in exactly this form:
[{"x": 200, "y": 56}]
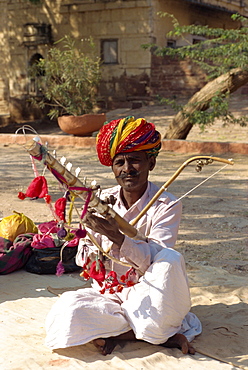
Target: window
[
  {"x": 109, "y": 51},
  {"x": 196, "y": 41},
  {"x": 34, "y": 74},
  {"x": 171, "y": 44}
]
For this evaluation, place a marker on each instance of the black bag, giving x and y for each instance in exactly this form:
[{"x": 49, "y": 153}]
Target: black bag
[{"x": 45, "y": 261}]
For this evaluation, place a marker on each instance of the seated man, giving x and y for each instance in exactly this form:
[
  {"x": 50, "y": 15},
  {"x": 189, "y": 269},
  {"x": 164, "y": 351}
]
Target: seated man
[{"x": 156, "y": 308}]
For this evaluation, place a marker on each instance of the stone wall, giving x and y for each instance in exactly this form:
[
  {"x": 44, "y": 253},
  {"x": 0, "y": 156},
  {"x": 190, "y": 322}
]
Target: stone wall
[{"x": 4, "y": 63}]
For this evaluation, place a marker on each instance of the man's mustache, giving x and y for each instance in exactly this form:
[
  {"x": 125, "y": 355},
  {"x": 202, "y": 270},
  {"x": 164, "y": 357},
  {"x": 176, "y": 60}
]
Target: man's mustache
[{"x": 132, "y": 173}]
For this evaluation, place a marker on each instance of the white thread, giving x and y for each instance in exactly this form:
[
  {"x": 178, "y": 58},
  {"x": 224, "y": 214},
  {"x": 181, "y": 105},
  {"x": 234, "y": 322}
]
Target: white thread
[
  {"x": 190, "y": 191},
  {"x": 197, "y": 186}
]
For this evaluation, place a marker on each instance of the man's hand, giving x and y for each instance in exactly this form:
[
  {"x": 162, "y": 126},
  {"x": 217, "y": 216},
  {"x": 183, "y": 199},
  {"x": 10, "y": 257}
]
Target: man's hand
[{"x": 105, "y": 226}]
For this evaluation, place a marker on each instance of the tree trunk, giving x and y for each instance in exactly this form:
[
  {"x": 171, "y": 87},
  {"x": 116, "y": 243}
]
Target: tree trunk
[{"x": 231, "y": 81}]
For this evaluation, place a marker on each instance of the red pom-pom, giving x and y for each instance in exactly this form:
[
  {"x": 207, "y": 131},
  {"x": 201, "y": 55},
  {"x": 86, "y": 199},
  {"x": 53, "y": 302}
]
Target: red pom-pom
[
  {"x": 111, "y": 279},
  {"x": 81, "y": 233},
  {"x": 21, "y": 195},
  {"x": 123, "y": 278},
  {"x": 37, "y": 188},
  {"x": 130, "y": 283},
  {"x": 60, "y": 206},
  {"x": 85, "y": 266}
]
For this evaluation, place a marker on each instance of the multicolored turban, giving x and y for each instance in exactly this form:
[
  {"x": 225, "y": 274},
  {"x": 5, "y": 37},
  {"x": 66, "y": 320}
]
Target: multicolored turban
[{"x": 126, "y": 135}]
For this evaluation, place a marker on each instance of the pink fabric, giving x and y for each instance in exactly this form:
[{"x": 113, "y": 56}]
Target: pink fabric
[
  {"x": 73, "y": 242},
  {"x": 42, "y": 241},
  {"x": 48, "y": 227}
]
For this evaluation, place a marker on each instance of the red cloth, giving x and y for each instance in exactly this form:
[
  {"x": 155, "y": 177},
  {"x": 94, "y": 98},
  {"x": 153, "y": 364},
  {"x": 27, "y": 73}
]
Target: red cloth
[
  {"x": 37, "y": 189},
  {"x": 60, "y": 206}
]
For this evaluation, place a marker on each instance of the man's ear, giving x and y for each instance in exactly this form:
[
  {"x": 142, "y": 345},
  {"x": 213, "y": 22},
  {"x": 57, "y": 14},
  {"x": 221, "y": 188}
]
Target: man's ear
[{"x": 152, "y": 163}]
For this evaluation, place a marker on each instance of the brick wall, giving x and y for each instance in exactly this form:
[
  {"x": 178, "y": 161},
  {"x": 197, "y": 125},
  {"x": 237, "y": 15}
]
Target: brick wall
[{"x": 173, "y": 78}]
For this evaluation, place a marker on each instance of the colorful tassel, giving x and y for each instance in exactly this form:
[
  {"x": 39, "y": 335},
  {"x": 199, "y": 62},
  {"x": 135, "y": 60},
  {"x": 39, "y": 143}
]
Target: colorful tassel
[
  {"x": 37, "y": 189},
  {"x": 60, "y": 269},
  {"x": 60, "y": 207}
]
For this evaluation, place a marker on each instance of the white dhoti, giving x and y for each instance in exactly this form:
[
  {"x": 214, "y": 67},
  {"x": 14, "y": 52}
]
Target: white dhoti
[{"x": 156, "y": 308}]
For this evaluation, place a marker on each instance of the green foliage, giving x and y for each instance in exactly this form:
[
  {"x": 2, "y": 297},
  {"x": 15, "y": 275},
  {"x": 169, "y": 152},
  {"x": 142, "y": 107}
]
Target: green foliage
[
  {"x": 220, "y": 51},
  {"x": 218, "y": 109},
  {"x": 68, "y": 78}
]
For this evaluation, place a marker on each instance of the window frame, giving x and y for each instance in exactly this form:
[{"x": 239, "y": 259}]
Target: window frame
[{"x": 103, "y": 56}]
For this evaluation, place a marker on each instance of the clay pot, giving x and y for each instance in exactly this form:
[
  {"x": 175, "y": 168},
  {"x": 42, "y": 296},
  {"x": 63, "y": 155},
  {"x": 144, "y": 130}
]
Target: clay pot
[{"x": 81, "y": 125}]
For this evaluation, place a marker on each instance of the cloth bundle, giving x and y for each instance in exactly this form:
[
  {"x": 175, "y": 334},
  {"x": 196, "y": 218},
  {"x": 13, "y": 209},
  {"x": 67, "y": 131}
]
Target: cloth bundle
[
  {"x": 13, "y": 256},
  {"x": 39, "y": 253},
  {"x": 16, "y": 224}
]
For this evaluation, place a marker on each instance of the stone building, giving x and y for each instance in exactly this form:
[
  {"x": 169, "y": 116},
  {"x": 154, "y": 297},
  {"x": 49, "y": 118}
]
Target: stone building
[{"x": 119, "y": 28}]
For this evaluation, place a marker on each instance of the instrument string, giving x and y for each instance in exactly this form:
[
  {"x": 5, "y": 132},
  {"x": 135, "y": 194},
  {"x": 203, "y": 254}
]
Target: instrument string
[
  {"x": 190, "y": 191},
  {"x": 195, "y": 187}
]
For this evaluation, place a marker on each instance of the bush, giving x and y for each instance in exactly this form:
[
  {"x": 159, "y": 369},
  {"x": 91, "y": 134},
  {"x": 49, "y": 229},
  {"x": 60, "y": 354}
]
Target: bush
[{"x": 68, "y": 78}]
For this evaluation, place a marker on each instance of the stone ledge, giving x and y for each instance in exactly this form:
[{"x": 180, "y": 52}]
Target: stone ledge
[
  {"x": 204, "y": 147},
  {"x": 177, "y": 146}
]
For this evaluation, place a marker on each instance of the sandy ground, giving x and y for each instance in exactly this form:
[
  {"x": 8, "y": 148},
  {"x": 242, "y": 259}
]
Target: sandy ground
[{"x": 212, "y": 237}]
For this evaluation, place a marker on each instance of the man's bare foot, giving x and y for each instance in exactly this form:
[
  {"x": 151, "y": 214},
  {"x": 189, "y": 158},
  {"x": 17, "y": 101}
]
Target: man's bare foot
[
  {"x": 105, "y": 345},
  {"x": 181, "y": 342}
]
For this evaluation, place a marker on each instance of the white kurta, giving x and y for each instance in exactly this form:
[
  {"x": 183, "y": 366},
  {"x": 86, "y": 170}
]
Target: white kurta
[{"x": 156, "y": 308}]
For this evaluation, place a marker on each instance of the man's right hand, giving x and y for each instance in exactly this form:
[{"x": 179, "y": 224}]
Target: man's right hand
[{"x": 104, "y": 226}]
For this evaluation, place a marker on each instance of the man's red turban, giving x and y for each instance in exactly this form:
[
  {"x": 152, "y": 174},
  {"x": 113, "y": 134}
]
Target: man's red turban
[{"x": 126, "y": 135}]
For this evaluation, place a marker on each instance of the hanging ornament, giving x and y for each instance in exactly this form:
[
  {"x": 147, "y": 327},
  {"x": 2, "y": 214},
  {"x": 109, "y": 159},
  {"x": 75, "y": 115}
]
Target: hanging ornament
[
  {"x": 60, "y": 207},
  {"x": 97, "y": 271},
  {"x": 60, "y": 269},
  {"x": 37, "y": 189},
  {"x": 62, "y": 233},
  {"x": 81, "y": 233}
]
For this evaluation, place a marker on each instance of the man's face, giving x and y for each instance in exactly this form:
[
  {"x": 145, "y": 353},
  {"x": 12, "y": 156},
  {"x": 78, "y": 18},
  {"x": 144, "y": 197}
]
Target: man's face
[{"x": 132, "y": 169}]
